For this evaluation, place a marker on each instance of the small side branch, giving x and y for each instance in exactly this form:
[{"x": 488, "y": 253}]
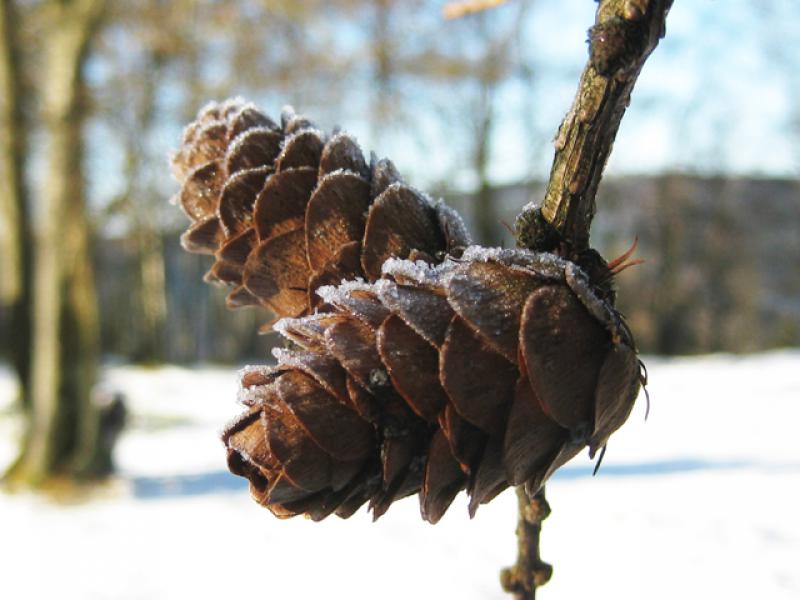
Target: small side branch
[
  {"x": 624, "y": 35},
  {"x": 529, "y": 572},
  {"x": 456, "y": 10}
]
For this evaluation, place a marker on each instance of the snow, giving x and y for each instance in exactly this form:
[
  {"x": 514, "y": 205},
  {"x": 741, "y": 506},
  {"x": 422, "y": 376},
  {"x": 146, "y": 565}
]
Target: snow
[{"x": 700, "y": 501}]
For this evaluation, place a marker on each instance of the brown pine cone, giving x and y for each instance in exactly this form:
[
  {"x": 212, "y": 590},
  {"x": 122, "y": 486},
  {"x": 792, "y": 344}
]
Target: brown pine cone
[
  {"x": 432, "y": 375},
  {"x": 488, "y": 370},
  {"x": 286, "y": 209}
]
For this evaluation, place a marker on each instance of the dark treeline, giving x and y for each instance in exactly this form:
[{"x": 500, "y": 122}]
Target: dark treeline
[
  {"x": 197, "y": 325},
  {"x": 722, "y": 270},
  {"x": 721, "y": 273},
  {"x": 722, "y": 258}
]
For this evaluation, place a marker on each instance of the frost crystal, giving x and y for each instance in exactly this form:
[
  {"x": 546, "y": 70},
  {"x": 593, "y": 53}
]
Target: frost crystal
[
  {"x": 238, "y": 141},
  {"x": 543, "y": 263},
  {"x": 353, "y": 150},
  {"x": 251, "y": 388},
  {"x": 418, "y": 272},
  {"x": 302, "y": 130},
  {"x": 332, "y": 294}
]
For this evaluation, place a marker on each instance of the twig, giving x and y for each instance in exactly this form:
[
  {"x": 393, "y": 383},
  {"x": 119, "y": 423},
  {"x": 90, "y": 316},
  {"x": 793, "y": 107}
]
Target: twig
[
  {"x": 624, "y": 35},
  {"x": 529, "y": 572},
  {"x": 456, "y": 10}
]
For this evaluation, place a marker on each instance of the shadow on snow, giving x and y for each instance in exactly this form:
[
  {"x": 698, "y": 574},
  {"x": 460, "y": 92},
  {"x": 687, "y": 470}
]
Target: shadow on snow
[
  {"x": 195, "y": 484},
  {"x": 216, "y": 482},
  {"x": 651, "y": 469}
]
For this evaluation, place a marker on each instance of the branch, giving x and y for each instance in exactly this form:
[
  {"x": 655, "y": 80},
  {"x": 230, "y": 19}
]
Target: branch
[
  {"x": 624, "y": 35},
  {"x": 456, "y": 10},
  {"x": 530, "y": 572}
]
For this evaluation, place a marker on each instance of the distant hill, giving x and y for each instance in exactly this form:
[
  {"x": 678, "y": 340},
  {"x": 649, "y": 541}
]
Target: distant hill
[{"x": 722, "y": 270}]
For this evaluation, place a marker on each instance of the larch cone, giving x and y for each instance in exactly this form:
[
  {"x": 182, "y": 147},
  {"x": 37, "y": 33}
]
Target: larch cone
[
  {"x": 286, "y": 209},
  {"x": 415, "y": 362}
]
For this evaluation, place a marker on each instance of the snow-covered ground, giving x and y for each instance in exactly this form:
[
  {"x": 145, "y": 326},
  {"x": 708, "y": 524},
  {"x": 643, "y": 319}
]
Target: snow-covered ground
[{"x": 702, "y": 501}]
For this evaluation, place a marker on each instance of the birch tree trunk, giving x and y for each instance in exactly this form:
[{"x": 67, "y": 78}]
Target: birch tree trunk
[
  {"x": 15, "y": 255},
  {"x": 62, "y": 437}
]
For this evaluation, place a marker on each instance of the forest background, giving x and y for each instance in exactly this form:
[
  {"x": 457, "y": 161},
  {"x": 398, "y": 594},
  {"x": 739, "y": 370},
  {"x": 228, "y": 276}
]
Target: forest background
[
  {"x": 98, "y": 302},
  {"x": 704, "y": 171}
]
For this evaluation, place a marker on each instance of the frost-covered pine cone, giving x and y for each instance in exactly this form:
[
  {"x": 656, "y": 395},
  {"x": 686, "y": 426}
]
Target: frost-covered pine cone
[
  {"x": 483, "y": 372},
  {"x": 415, "y": 365},
  {"x": 286, "y": 209}
]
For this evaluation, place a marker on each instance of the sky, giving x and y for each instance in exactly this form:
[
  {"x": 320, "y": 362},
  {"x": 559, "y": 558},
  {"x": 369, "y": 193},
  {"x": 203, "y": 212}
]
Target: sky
[{"x": 714, "y": 97}]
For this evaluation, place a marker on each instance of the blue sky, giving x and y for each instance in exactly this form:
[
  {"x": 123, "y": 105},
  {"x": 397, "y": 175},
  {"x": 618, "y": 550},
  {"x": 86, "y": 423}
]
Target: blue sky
[{"x": 715, "y": 97}]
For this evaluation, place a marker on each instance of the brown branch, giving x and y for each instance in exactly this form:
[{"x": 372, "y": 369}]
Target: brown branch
[
  {"x": 456, "y": 10},
  {"x": 529, "y": 572},
  {"x": 624, "y": 35}
]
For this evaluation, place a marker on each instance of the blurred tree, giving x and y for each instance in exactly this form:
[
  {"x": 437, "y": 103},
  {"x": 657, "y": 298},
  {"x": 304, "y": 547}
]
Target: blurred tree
[
  {"x": 150, "y": 54},
  {"x": 672, "y": 298},
  {"x": 141, "y": 200},
  {"x": 63, "y": 436},
  {"x": 391, "y": 62},
  {"x": 456, "y": 70},
  {"x": 499, "y": 61},
  {"x": 15, "y": 256},
  {"x": 130, "y": 101}
]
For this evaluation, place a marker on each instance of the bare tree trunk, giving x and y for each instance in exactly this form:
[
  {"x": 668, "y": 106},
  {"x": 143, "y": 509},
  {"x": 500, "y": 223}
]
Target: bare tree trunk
[
  {"x": 63, "y": 430},
  {"x": 152, "y": 296},
  {"x": 484, "y": 211},
  {"x": 493, "y": 70},
  {"x": 673, "y": 330},
  {"x": 153, "y": 293},
  {"x": 81, "y": 327},
  {"x": 15, "y": 256},
  {"x": 383, "y": 67}
]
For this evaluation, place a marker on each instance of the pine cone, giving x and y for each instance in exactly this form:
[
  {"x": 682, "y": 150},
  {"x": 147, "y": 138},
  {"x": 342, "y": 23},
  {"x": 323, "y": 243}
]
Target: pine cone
[
  {"x": 482, "y": 372},
  {"x": 287, "y": 209},
  {"x": 428, "y": 371}
]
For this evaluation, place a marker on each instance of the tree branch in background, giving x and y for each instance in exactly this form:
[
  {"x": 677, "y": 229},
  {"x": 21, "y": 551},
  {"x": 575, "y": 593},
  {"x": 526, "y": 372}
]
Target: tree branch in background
[
  {"x": 624, "y": 35},
  {"x": 456, "y": 10}
]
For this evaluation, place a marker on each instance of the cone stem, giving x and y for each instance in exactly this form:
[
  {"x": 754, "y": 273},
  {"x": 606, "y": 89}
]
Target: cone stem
[
  {"x": 624, "y": 35},
  {"x": 529, "y": 572}
]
